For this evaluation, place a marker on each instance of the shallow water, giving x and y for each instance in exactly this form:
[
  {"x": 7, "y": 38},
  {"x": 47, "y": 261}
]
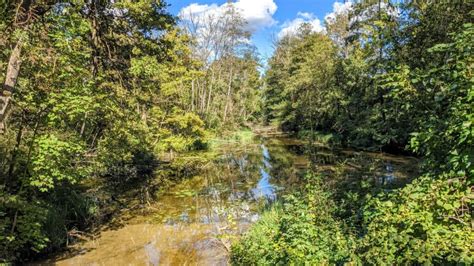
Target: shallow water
[{"x": 194, "y": 221}]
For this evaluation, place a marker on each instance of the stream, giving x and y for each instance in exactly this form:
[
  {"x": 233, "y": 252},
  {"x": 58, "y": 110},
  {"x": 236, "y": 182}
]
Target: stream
[{"x": 194, "y": 222}]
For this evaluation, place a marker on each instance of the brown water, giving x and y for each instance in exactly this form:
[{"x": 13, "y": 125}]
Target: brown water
[{"x": 194, "y": 221}]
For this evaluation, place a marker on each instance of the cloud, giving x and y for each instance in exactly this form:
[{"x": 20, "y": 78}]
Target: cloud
[
  {"x": 292, "y": 27},
  {"x": 306, "y": 15},
  {"x": 197, "y": 9},
  {"x": 338, "y": 9},
  {"x": 257, "y": 13}
]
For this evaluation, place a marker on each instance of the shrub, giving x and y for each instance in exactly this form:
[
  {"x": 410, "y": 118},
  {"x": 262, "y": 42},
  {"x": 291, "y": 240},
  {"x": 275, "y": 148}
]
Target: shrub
[{"x": 302, "y": 231}]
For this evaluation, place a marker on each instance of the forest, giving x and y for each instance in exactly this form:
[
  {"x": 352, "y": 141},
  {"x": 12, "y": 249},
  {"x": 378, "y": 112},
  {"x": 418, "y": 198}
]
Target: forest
[{"x": 101, "y": 99}]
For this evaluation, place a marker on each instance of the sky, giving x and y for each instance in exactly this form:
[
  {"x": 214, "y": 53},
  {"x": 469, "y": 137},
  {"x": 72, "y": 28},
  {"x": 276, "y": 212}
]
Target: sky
[{"x": 268, "y": 19}]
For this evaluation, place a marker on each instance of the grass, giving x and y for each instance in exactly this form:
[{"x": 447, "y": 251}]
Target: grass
[{"x": 244, "y": 136}]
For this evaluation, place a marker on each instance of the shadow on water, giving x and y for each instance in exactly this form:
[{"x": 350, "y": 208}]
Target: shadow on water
[{"x": 193, "y": 221}]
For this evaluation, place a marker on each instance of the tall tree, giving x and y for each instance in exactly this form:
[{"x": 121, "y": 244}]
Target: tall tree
[{"x": 19, "y": 18}]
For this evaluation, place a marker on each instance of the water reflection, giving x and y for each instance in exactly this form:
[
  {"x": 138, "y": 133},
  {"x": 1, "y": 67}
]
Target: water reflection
[
  {"x": 264, "y": 188},
  {"x": 190, "y": 222},
  {"x": 152, "y": 253},
  {"x": 266, "y": 157}
]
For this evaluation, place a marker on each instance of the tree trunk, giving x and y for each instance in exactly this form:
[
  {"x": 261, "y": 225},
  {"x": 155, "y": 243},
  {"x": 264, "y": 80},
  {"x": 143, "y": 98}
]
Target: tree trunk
[
  {"x": 192, "y": 95},
  {"x": 26, "y": 13},
  {"x": 11, "y": 77},
  {"x": 228, "y": 94},
  {"x": 210, "y": 91},
  {"x": 203, "y": 99}
]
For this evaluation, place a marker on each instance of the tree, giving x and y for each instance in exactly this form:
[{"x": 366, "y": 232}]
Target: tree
[
  {"x": 221, "y": 43},
  {"x": 18, "y": 19}
]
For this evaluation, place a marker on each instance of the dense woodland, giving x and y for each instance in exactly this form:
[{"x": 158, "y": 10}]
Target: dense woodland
[{"x": 95, "y": 92}]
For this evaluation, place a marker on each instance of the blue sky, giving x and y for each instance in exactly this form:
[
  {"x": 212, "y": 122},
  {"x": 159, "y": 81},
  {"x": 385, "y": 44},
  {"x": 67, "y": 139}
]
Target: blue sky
[{"x": 268, "y": 18}]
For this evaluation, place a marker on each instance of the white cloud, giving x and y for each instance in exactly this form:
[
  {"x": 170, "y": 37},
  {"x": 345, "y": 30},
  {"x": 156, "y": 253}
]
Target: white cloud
[
  {"x": 257, "y": 13},
  {"x": 306, "y": 15},
  {"x": 196, "y": 9},
  {"x": 292, "y": 27},
  {"x": 339, "y": 8}
]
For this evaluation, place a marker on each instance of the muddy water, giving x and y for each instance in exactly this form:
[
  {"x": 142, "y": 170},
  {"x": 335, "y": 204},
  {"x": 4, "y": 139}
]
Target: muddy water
[{"x": 194, "y": 222}]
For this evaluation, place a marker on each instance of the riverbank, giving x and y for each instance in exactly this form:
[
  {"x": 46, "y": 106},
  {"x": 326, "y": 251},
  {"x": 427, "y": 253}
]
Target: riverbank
[
  {"x": 197, "y": 218},
  {"x": 199, "y": 214}
]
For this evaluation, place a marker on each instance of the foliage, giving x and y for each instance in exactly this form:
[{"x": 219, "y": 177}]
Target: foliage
[
  {"x": 329, "y": 139},
  {"x": 303, "y": 230},
  {"x": 243, "y": 136},
  {"x": 185, "y": 133},
  {"x": 226, "y": 93},
  {"x": 105, "y": 89},
  {"x": 55, "y": 161},
  {"x": 259, "y": 246},
  {"x": 400, "y": 80},
  {"x": 303, "y": 95},
  {"x": 23, "y": 231},
  {"x": 428, "y": 221},
  {"x": 446, "y": 135}
]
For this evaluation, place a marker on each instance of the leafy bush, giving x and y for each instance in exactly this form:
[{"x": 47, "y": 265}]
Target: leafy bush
[
  {"x": 321, "y": 137},
  {"x": 55, "y": 161},
  {"x": 428, "y": 221},
  {"x": 21, "y": 226},
  {"x": 182, "y": 132},
  {"x": 302, "y": 231},
  {"x": 259, "y": 246}
]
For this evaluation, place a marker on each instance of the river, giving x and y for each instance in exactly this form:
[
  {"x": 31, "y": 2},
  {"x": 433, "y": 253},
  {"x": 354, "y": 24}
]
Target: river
[{"x": 194, "y": 221}]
